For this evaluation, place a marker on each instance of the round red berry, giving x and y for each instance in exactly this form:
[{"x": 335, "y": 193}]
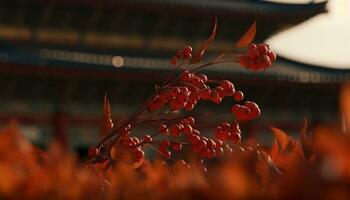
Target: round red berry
[
  {"x": 205, "y": 93},
  {"x": 238, "y": 96},
  {"x": 253, "y": 52},
  {"x": 186, "y": 76},
  {"x": 147, "y": 138},
  {"x": 187, "y": 129},
  {"x": 176, "y": 146},
  {"x": 166, "y": 154},
  {"x": 246, "y": 62},
  {"x": 163, "y": 128},
  {"x": 203, "y": 77},
  {"x": 235, "y": 138},
  {"x": 262, "y": 49},
  {"x": 188, "y": 120},
  {"x": 175, "y": 130},
  {"x": 272, "y": 56},
  {"x": 93, "y": 151},
  {"x": 187, "y": 49}
]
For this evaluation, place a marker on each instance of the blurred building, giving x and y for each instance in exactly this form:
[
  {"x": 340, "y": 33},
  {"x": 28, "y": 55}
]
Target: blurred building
[{"x": 59, "y": 58}]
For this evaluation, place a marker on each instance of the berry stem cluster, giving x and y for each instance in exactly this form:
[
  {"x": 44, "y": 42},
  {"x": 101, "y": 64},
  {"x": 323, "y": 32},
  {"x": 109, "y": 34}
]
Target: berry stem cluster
[{"x": 181, "y": 91}]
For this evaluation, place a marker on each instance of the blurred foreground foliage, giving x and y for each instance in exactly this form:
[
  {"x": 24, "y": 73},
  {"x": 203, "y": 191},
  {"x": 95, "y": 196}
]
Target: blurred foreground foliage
[{"x": 315, "y": 167}]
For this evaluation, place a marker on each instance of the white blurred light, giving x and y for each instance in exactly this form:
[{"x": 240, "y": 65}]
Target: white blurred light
[
  {"x": 118, "y": 61},
  {"x": 323, "y": 40}
]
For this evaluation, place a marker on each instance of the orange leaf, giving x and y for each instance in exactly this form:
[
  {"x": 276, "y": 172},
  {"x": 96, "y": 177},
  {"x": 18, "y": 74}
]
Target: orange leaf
[
  {"x": 198, "y": 55},
  {"x": 274, "y": 150},
  {"x": 281, "y": 136},
  {"x": 107, "y": 123},
  {"x": 247, "y": 37}
]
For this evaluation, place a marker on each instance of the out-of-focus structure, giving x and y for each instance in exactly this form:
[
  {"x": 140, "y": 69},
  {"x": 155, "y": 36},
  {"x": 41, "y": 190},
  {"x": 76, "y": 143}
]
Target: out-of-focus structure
[{"x": 58, "y": 58}]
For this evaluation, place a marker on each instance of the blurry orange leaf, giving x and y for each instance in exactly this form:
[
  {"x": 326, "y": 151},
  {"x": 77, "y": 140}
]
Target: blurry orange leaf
[
  {"x": 274, "y": 149},
  {"x": 266, "y": 168},
  {"x": 107, "y": 123},
  {"x": 198, "y": 55},
  {"x": 281, "y": 136},
  {"x": 247, "y": 37},
  {"x": 295, "y": 148}
]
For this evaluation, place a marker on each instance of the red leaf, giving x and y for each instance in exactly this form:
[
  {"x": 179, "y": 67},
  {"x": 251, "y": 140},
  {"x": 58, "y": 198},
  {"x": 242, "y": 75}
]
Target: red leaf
[
  {"x": 198, "y": 55},
  {"x": 281, "y": 136},
  {"x": 247, "y": 37},
  {"x": 107, "y": 123}
]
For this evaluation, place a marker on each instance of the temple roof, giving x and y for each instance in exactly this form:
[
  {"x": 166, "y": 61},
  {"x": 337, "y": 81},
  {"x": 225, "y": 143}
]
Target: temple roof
[{"x": 102, "y": 63}]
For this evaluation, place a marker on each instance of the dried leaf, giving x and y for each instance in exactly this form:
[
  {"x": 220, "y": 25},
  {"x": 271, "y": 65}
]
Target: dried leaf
[
  {"x": 198, "y": 55},
  {"x": 274, "y": 149},
  {"x": 281, "y": 136},
  {"x": 107, "y": 123},
  {"x": 266, "y": 168},
  {"x": 247, "y": 37},
  {"x": 295, "y": 148}
]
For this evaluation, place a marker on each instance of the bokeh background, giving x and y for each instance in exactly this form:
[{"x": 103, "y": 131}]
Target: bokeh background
[{"x": 58, "y": 58}]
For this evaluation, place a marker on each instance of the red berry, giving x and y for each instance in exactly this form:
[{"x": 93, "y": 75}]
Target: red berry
[
  {"x": 235, "y": 138},
  {"x": 93, "y": 151},
  {"x": 225, "y": 126},
  {"x": 262, "y": 62},
  {"x": 195, "y": 131},
  {"x": 262, "y": 49},
  {"x": 188, "y": 120},
  {"x": 173, "y": 60},
  {"x": 205, "y": 94},
  {"x": 201, "y": 144},
  {"x": 218, "y": 143},
  {"x": 238, "y": 96},
  {"x": 187, "y": 129},
  {"x": 176, "y": 146},
  {"x": 164, "y": 144},
  {"x": 186, "y": 76},
  {"x": 147, "y": 138},
  {"x": 187, "y": 49},
  {"x": 215, "y": 97},
  {"x": 187, "y": 55},
  {"x": 272, "y": 56},
  {"x": 175, "y": 130},
  {"x": 235, "y": 108},
  {"x": 220, "y": 90},
  {"x": 193, "y": 138},
  {"x": 220, "y": 135},
  {"x": 226, "y": 84},
  {"x": 135, "y": 140},
  {"x": 211, "y": 144},
  {"x": 253, "y": 52},
  {"x": 139, "y": 154},
  {"x": 203, "y": 77},
  {"x": 246, "y": 62},
  {"x": 166, "y": 154},
  {"x": 163, "y": 128}
]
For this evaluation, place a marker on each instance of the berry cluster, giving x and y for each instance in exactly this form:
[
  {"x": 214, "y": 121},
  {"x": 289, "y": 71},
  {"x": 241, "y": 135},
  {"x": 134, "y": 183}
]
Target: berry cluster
[
  {"x": 259, "y": 56},
  {"x": 248, "y": 111},
  {"x": 192, "y": 88},
  {"x": 185, "y": 53},
  {"x": 182, "y": 90},
  {"x": 228, "y": 132}
]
